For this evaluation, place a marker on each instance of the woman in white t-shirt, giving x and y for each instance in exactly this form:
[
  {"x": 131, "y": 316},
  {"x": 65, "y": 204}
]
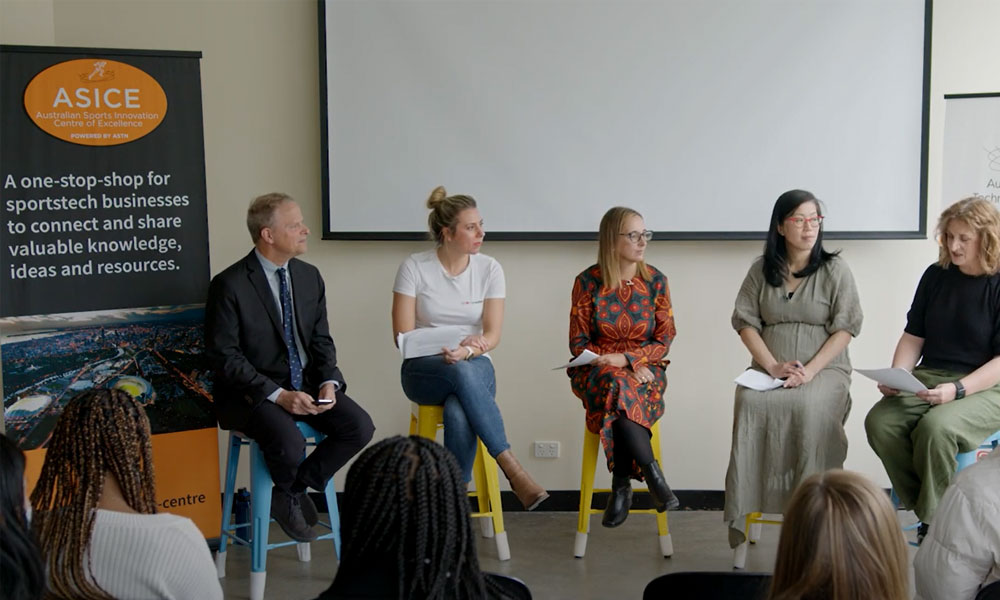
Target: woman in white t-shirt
[{"x": 454, "y": 285}]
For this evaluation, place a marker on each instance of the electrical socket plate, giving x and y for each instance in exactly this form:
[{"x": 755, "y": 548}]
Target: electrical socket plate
[{"x": 546, "y": 449}]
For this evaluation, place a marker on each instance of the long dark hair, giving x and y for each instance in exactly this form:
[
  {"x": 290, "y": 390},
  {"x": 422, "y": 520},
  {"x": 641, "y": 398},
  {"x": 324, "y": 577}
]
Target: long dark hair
[
  {"x": 775, "y": 253},
  {"x": 405, "y": 506},
  {"x": 21, "y": 567},
  {"x": 100, "y": 431}
]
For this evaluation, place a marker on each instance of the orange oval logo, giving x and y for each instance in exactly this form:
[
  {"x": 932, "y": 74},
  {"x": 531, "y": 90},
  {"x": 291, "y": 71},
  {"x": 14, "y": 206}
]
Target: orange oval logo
[{"x": 95, "y": 102}]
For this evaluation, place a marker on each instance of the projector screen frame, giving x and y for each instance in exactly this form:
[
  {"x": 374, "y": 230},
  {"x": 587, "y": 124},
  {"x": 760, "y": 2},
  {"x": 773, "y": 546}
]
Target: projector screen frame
[{"x": 328, "y": 234}]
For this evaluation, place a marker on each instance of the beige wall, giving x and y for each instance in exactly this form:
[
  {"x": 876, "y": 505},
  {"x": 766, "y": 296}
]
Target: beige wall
[{"x": 261, "y": 105}]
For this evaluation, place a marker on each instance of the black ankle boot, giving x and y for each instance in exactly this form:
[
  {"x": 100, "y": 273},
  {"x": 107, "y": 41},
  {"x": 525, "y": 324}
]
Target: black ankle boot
[
  {"x": 663, "y": 498},
  {"x": 619, "y": 501}
]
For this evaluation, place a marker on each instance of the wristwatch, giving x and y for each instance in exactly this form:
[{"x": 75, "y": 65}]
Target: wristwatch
[
  {"x": 471, "y": 352},
  {"x": 959, "y": 389}
]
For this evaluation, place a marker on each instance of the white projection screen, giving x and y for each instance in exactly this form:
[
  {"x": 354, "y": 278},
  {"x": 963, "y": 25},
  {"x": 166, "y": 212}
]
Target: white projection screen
[{"x": 697, "y": 113}]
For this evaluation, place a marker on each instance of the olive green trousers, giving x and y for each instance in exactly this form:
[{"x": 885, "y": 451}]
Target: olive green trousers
[{"x": 918, "y": 442}]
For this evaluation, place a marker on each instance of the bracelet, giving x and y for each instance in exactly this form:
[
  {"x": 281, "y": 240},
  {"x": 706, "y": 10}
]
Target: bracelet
[{"x": 471, "y": 352}]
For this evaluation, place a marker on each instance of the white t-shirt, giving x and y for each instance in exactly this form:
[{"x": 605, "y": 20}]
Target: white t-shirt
[
  {"x": 161, "y": 556},
  {"x": 444, "y": 299}
]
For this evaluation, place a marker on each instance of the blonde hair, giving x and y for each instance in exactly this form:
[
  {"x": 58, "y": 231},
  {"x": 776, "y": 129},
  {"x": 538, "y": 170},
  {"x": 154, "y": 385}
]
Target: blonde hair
[
  {"x": 979, "y": 214},
  {"x": 840, "y": 541},
  {"x": 607, "y": 254},
  {"x": 444, "y": 211},
  {"x": 260, "y": 214}
]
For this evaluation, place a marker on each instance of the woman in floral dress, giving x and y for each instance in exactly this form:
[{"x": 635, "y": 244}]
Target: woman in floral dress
[{"x": 621, "y": 311}]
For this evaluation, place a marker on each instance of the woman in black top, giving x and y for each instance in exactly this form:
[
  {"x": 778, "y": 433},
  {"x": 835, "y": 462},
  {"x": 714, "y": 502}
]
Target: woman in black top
[{"x": 953, "y": 330}]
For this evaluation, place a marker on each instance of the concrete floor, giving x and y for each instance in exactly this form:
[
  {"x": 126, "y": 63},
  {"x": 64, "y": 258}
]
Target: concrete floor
[{"x": 618, "y": 564}]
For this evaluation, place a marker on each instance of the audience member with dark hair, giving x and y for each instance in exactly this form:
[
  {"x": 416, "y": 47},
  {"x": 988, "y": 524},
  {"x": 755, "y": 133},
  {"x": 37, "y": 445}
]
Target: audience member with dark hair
[
  {"x": 22, "y": 576},
  {"x": 796, "y": 312},
  {"x": 840, "y": 541},
  {"x": 961, "y": 552},
  {"x": 95, "y": 510},
  {"x": 406, "y": 528}
]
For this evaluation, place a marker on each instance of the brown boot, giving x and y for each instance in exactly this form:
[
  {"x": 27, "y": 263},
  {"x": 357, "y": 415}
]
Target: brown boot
[{"x": 527, "y": 491}]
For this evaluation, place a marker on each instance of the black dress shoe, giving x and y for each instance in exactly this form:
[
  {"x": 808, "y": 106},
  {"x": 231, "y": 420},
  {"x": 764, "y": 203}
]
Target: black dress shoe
[
  {"x": 619, "y": 501},
  {"x": 287, "y": 512},
  {"x": 663, "y": 498}
]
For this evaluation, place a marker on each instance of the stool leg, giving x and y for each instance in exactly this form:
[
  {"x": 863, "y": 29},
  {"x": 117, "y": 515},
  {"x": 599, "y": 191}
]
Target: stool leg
[
  {"x": 260, "y": 486},
  {"x": 482, "y": 491},
  {"x": 662, "y": 528},
  {"x": 740, "y": 553},
  {"x": 333, "y": 514},
  {"x": 232, "y": 462},
  {"x": 590, "y": 443},
  {"x": 427, "y": 421},
  {"x": 492, "y": 490}
]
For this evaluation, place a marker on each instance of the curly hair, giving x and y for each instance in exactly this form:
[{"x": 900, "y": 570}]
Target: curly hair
[
  {"x": 99, "y": 432},
  {"x": 979, "y": 214}
]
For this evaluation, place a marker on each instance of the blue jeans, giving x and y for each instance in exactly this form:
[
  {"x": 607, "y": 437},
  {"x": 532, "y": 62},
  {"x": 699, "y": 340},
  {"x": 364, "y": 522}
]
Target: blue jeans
[{"x": 467, "y": 390}]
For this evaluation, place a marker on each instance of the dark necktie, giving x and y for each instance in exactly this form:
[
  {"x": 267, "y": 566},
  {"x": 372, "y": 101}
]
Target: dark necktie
[{"x": 294, "y": 362}]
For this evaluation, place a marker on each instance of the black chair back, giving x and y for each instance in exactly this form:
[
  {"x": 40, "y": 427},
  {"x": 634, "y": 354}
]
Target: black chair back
[
  {"x": 990, "y": 592},
  {"x": 505, "y": 586},
  {"x": 708, "y": 585}
]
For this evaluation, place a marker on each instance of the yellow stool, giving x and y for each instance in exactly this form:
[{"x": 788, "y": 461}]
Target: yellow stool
[
  {"x": 752, "y": 533},
  {"x": 591, "y": 443},
  {"x": 425, "y": 421}
]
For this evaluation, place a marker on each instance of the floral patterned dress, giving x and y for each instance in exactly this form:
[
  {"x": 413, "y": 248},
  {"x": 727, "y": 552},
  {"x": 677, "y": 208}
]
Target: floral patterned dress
[{"x": 636, "y": 320}]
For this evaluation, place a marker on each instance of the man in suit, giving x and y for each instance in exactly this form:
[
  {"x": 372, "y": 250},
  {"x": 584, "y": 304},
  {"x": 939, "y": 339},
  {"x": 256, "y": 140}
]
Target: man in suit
[{"x": 275, "y": 363}]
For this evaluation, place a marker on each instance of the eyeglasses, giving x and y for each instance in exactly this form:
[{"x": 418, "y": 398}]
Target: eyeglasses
[
  {"x": 635, "y": 236},
  {"x": 801, "y": 221}
]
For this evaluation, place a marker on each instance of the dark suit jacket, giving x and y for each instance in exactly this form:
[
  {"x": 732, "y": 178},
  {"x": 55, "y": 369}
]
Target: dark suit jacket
[{"x": 244, "y": 342}]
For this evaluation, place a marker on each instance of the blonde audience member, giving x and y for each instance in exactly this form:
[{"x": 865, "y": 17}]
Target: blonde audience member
[{"x": 840, "y": 541}]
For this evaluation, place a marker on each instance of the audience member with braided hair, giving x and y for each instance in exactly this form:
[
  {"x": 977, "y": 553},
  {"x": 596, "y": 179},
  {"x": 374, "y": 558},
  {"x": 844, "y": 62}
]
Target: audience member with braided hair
[
  {"x": 95, "y": 510},
  {"x": 406, "y": 527},
  {"x": 21, "y": 572}
]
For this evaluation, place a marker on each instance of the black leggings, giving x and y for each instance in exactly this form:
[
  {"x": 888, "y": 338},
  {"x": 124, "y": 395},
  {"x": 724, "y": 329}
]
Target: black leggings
[{"x": 631, "y": 443}]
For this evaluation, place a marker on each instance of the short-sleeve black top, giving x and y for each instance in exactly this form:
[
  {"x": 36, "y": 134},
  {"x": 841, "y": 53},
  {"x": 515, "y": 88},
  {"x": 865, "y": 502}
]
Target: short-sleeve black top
[{"x": 958, "y": 316}]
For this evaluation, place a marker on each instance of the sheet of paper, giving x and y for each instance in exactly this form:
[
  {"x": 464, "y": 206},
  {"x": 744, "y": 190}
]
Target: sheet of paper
[
  {"x": 428, "y": 341},
  {"x": 586, "y": 357},
  {"x": 896, "y": 378},
  {"x": 755, "y": 380}
]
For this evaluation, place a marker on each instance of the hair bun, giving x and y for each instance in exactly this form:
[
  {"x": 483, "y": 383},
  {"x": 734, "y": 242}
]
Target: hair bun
[{"x": 436, "y": 197}]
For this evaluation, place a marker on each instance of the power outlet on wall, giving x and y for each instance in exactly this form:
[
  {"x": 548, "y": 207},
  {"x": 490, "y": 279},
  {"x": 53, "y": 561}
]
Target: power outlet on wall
[{"x": 546, "y": 449}]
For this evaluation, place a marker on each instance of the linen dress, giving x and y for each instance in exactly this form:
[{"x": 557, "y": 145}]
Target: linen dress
[
  {"x": 637, "y": 320},
  {"x": 782, "y": 436}
]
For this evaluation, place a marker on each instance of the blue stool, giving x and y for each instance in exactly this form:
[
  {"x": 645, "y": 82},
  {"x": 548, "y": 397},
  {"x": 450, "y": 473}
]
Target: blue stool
[
  {"x": 967, "y": 459},
  {"x": 260, "y": 510}
]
